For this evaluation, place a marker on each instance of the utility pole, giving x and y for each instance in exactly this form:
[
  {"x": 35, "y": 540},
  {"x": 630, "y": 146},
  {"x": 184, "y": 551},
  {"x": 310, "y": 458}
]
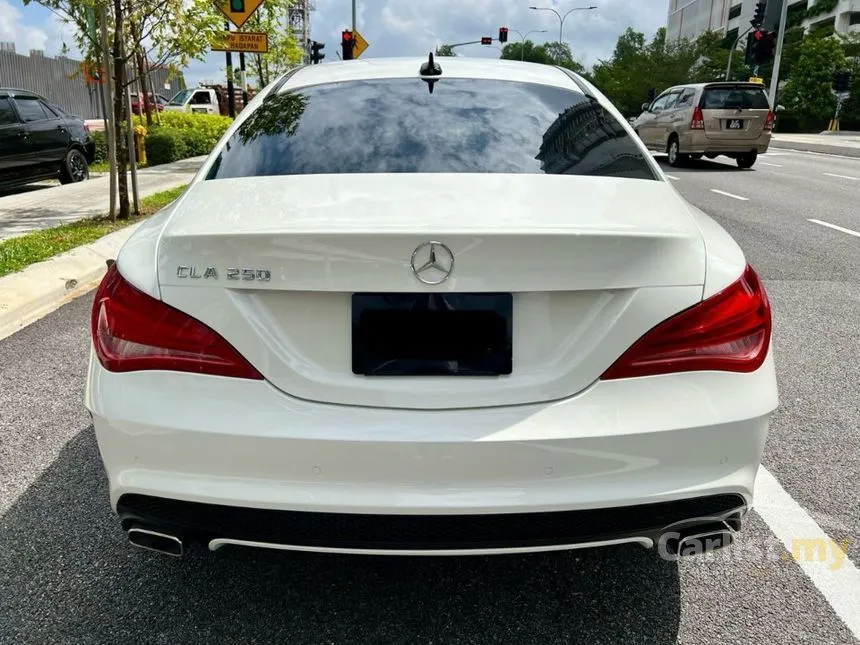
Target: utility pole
[
  {"x": 774, "y": 80},
  {"x": 231, "y": 99},
  {"x": 353, "y": 16}
]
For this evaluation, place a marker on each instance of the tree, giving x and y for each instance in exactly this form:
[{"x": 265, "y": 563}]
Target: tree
[
  {"x": 637, "y": 66},
  {"x": 445, "y": 50},
  {"x": 170, "y": 31},
  {"x": 808, "y": 92},
  {"x": 713, "y": 58},
  {"x": 527, "y": 51},
  {"x": 561, "y": 55},
  {"x": 273, "y": 18}
]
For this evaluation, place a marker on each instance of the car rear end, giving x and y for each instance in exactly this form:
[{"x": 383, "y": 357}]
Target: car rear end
[
  {"x": 452, "y": 314},
  {"x": 730, "y": 118}
]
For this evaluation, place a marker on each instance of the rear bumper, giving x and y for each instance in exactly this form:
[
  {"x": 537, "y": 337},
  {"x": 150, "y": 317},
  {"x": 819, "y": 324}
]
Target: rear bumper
[
  {"x": 229, "y": 458},
  {"x": 698, "y": 143},
  {"x": 216, "y": 525}
]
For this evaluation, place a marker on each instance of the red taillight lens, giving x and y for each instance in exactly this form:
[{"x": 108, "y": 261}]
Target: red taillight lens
[
  {"x": 768, "y": 122},
  {"x": 133, "y": 331},
  {"x": 729, "y": 331},
  {"x": 698, "y": 121}
]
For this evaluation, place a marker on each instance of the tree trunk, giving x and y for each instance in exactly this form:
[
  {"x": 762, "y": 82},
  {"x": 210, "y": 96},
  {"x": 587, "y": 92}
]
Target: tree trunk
[
  {"x": 142, "y": 84},
  {"x": 118, "y": 110}
]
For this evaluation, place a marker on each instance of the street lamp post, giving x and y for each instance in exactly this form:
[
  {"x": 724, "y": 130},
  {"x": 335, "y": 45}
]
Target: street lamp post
[
  {"x": 561, "y": 20},
  {"x": 523, "y": 38}
]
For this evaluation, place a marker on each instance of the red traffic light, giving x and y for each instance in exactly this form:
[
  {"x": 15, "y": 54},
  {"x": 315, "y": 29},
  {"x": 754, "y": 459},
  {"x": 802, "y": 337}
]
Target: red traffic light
[
  {"x": 758, "y": 34},
  {"x": 503, "y": 34},
  {"x": 346, "y": 36},
  {"x": 486, "y": 40}
]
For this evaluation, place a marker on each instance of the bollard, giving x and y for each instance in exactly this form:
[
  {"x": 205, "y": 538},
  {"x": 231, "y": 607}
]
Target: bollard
[{"x": 140, "y": 148}]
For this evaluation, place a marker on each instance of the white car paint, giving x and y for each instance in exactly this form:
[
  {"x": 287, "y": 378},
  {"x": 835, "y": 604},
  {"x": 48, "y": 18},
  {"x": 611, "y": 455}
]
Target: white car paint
[{"x": 594, "y": 263}]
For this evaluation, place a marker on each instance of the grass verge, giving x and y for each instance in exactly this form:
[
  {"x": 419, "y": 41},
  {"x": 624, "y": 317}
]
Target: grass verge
[{"x": 20, "y": 252}]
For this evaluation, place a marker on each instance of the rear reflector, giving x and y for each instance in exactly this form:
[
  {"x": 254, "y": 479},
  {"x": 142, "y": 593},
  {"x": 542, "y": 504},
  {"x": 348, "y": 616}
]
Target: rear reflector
[
  {"x": 698, "y": 120},
  {"x": 729, "y": 332},
  {"x": 133, "y": 331}
]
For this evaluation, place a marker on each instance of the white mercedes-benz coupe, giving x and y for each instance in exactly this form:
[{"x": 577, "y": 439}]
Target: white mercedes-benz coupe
[{"x": 418, "y": 306}]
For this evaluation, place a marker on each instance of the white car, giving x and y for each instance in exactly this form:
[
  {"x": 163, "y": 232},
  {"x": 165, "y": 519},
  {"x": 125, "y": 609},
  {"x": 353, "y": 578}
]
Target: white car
[{"x": 431, "y": 307}]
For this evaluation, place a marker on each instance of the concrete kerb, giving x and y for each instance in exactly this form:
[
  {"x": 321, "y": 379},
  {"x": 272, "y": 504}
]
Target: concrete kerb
[
  {"x": 43, "y": 287},
  {"x": 821, "y": 148}
]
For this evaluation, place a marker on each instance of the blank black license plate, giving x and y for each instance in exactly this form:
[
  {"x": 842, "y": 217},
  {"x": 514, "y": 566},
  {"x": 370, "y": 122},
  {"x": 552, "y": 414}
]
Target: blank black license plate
[
  {"x": 736, "y": 124},
  {"x": 407, "y": 334}
]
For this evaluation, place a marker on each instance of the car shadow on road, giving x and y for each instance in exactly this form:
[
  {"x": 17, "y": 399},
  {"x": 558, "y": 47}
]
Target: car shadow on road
[
  {"x": 702, "y": 164},
  {"x": 27, "y": 188},
  {"x": 68, "y": 575}
]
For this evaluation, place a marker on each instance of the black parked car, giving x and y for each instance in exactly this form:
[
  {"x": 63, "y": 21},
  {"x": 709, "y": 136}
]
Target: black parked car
[{"x": 39, "y": 141}]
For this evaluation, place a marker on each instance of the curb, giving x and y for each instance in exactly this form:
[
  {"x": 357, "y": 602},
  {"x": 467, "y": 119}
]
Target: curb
[
  {"x": 821, "y": 148},
  {"x": 41, "y": 288}
]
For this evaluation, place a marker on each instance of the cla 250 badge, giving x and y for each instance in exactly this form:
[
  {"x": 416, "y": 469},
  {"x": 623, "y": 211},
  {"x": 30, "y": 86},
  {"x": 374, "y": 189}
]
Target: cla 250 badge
[{"x": 233, "y": 273}]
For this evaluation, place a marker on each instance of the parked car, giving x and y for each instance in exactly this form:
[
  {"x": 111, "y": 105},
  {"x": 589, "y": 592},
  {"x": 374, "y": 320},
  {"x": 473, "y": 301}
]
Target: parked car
[
  {"x": 388, "y": 319},
  {"x": 708, "y": 119},
  {"x": 39, "y": 140},
  {"x": 158, "y": 103}
]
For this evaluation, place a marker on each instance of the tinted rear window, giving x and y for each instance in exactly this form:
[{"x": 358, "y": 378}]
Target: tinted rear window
[
  {"x": 397, "y": 125},
  {"x": 730, "y": 98}
]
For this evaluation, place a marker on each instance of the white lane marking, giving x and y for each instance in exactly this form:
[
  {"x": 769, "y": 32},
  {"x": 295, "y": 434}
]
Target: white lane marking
[
  {"x": 775, "y": 165},
  {"x": 673, "y": 177},
  {"x": 834, "y": 227},
  {"x": 722, "y": 192},
  {"x": 836, "y": 577},
  {"x": 830, "y": 174}
]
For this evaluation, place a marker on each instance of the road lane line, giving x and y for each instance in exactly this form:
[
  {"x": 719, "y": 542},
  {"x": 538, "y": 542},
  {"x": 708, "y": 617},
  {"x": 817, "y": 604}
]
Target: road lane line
[
  {"x": 673, "y": 177},
  {"x": 834, "y": 227},
  {"x": 830, "y": 174},
  {"x": 722, "y": 192},
  {"x": 775, "y": 165},
  {"x": 802, "y": 537}
]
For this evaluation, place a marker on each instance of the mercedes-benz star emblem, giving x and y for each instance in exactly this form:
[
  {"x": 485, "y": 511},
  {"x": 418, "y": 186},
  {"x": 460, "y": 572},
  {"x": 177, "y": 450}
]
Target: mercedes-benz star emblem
[{"x": 432, "y": 262}]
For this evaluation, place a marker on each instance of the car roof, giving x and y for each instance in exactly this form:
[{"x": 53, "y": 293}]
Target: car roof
[
  {"x": 14, "y": 91},
  {"x": 408, "y": 67},
  {"x": 696, "y": 86}
]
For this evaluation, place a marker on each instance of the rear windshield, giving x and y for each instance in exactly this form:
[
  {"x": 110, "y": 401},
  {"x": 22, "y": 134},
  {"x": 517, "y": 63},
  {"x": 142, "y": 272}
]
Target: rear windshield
[
  {"x": 399, "y": 126},
  {"x": 733, "y": 98}
]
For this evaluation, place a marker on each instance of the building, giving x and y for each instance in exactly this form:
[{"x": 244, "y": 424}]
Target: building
[{"x": 690, "y": 18}]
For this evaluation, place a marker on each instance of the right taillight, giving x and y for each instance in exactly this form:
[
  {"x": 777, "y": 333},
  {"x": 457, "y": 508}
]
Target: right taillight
[
  {"x": 768, "y": 122},
  {"x": 729, "y": 331},
  {"x": 132, "y": 331},
  {"x": 698, "y": 120}
]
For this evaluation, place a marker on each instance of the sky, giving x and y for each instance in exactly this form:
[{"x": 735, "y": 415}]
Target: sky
[{"x": 398, "y": 27}]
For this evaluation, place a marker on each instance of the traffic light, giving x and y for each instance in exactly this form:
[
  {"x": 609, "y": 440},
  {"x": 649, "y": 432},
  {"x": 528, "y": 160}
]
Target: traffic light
[
  {"x": 346, "y": 44},
  {"x": 237, "y": 5},
  {"x": 316, "y": 55},
  {"x": 503, "y": 34},
  {"x": 758, "y": 17},
  {"x": 767, "y": 47},
  {"x": 841, "y": 81},
  {"x": 486, "y": 40}
]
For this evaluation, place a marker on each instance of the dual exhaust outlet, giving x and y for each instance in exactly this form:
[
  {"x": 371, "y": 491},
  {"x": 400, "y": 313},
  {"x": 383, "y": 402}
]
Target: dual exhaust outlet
[{"x": 689, "y": 538}]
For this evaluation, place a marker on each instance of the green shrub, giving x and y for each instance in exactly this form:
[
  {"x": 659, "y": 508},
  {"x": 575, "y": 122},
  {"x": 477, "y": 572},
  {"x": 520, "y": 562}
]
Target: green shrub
[
  {"x": 193, "y": 134},
  {"x": 165, "y": 145},
  {"x": 101, "y": 146}
]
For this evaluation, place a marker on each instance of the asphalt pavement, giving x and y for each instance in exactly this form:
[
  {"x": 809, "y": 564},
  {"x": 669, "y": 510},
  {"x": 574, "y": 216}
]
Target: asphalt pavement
[{"x": 67, "y": 574}]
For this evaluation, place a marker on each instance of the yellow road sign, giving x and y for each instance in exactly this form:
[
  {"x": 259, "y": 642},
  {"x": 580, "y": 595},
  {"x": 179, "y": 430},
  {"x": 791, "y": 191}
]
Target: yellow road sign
[
  {"x": 756, "y": 79},
  {"x": 359, "y": 44},
  {"x": 243, "y": 41},
  {"x": 238, "y": 11}
]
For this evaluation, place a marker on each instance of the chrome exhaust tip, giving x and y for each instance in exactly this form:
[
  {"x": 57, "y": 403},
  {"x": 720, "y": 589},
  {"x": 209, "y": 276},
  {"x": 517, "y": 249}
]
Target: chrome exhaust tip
[
  {"x": 156, "y": 541},
  {"x": 698, "y": 536}
]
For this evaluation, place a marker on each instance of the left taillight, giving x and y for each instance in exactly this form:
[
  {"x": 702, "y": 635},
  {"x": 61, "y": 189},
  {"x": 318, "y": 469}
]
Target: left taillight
[
  {"x": 132, "y": 331},
  {"x": 728, "y": 332}
]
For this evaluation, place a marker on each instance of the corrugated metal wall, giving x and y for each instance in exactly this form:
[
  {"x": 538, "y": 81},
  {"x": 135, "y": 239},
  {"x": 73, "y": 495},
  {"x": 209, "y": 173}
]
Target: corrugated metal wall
[{"x": 59, "y": 80}]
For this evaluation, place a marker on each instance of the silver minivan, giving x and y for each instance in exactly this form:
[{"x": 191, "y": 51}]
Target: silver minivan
[{"x": 708, "y": 119}]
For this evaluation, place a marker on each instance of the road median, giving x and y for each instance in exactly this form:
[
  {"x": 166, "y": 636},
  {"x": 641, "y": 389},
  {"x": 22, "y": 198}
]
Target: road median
[{"x": 833, "y": 144}]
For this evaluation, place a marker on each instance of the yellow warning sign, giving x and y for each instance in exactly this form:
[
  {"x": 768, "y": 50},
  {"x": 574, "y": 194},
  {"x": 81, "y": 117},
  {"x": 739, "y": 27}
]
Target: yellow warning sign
[
  {"x": 359, "y": 44},
  {"x": 243, "y": 41}
]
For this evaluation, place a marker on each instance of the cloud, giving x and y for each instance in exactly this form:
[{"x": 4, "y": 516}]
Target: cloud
[{"x": 11, "y": 30}]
